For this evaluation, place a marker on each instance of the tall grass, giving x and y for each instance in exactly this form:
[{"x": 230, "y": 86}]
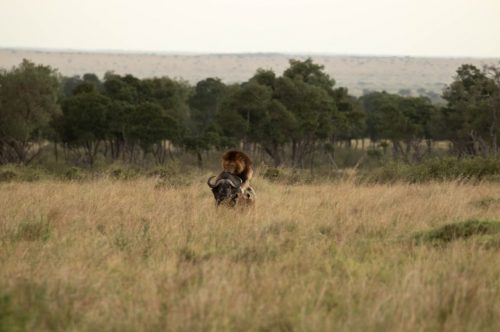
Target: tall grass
[{"x": 110, "y": 255}]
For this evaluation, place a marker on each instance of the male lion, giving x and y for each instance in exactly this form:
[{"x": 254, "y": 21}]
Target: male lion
[{"x": 232, "y": 186}]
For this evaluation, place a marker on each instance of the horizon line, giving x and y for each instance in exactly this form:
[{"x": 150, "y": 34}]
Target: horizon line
[{"x": 197, "y": 53}]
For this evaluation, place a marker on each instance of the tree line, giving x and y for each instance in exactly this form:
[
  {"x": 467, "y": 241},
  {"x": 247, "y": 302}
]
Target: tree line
[{"x": 293, "y": 118}]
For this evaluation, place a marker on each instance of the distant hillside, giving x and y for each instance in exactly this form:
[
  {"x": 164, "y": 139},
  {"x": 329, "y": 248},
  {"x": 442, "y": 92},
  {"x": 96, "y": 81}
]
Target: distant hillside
[{"x": 358, "y": 73}]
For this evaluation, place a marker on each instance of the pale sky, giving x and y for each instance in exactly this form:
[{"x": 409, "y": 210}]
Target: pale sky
[{"x": 364, "y": 27}]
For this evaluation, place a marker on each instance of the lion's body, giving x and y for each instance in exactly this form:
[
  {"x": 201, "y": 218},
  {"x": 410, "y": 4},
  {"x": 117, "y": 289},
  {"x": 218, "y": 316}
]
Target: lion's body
[{"x": 248, "y": 198}]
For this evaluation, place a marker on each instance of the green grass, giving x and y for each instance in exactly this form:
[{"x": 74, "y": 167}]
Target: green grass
[
  {"x": 489, "y": 231},
  {"x": 486, "y": 202},
  {"x": 28, "y": 230}
]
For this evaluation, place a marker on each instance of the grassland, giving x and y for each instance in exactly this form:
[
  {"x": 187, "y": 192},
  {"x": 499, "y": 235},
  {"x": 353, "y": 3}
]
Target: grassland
[{"x": 109, "y": 255}]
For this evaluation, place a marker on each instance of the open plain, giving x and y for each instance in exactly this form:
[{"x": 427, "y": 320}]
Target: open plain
[{"x": 134, "y": 256}]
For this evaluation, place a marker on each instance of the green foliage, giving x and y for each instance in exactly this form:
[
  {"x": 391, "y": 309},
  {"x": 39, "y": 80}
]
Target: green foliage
[
  {"x": 205, "y": 106},
  {"x": 7, "y": 175},
  {"x": 400, "y": 120},
  {"x": 74, "y": 173},
  {"x": 471, "y": 118},
  {"x": 459, "y": 230},
  {"x": 85, "y": 118},
  {"x": 149, "y": 124},
  {"x": 205, "y": 103},
  {"x": 437, "y": 169},
  {"x": 12, "y": 172},
  {"x": 123, "y": 172},
  {"x": 298, "y": 119},
  {"x": 32, "y": 230},
  {"x": 310, "y": 73},
  {"x": 84, "y": 122},
  {"x": 486, "y": 202},
  {"x": 294, "y": 176},
  {"x": 172, "y": 175},
  {"x": 350, "y": 120},
  {"x": 273, "y": 174},
  {"x": 12, "y": 318},
  {"x": 375, "y": 153},
  {"x": 28, "y": 101},
  {"x": 30, "y": 306}
]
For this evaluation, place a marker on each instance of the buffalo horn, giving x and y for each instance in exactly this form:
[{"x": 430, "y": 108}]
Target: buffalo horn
[
  {"x": 235, "y": 185},
  {"x": 210, "y": 184}
]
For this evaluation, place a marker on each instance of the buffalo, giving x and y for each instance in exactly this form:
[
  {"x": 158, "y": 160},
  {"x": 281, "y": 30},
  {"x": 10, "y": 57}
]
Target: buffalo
[{"x": 226, "y": 189}]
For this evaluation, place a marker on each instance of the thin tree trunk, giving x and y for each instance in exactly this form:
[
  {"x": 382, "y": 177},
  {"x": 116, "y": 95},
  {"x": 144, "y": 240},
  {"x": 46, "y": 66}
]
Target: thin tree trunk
[
  {"x": 56, "y": 153},
  {"x": 199, "y": 159}
]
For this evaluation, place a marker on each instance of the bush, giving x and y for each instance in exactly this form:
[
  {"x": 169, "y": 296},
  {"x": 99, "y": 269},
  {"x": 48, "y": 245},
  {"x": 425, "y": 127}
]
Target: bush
[
  {"x": 486, "y": 202},
  {"x": 32, "y": 230},
  {"x": 119, "y": 172},
  {"x": 460, "y": 230},
  {"x": 7, "y": 175},
  {"x": 289, "y": 176},
  {"x": 273, "y": 174},
  {"x": 74, "y": 173},
  {"x": 171, "y": 175},
  {"x": 12, "y": 318},
  {"x": 437, "y": 169},
  {"x": 169, "y": 170},
  {"x": 21, "y": 173},
  {"x": 29, "y": 306},
  {"x": 375, "y": 153}
]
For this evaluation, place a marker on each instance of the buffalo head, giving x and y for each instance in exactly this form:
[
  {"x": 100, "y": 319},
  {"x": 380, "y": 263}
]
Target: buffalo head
[{"x": 226, "y": 188}]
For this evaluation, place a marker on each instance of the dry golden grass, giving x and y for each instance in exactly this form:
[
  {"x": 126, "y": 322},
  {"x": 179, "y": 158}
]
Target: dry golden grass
[{"x": 124, "y": 256}]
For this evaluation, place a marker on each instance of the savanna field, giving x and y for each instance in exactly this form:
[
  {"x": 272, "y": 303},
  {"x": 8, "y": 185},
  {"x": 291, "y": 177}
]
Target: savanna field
[{"x": 108, "y": 255}]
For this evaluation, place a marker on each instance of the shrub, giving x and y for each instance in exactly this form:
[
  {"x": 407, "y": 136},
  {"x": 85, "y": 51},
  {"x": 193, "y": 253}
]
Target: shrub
[
  {"x": 32, "y": 230},
  {"x": 273, "y": 174},
  {"x": 288, "y": 175},
  {"x": 21, "y": 173},
  {"x": 171, "y": 175},
  {"x": 12, "y": 318},
  {"x": 460, "y": 230},
  {"x": 74, "y": 173},
  {"x": 7, "y": 175},
  {"x": 437, "y": 169},
  {"x": 119, "y": 172},
  {"x": 486, "y": 202}
]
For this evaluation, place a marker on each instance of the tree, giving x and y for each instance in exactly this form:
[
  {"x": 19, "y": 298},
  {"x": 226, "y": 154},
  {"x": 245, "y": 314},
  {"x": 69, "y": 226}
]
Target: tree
[
  {"x": 275, "y": 129},
  {"x": 84, "y": 122},
  {"x": 268, "y": 122},
  {"x": 309, "y": 72},
  {"x": 313, "y": 108},
  {"x": 205, "y": 104},
  {"x": 90, "y": 83},
  {"x": 119, "y": 88},
  {"x": 401, "y": 120},
  {"x": 171, "y": 95},
  {"x": 493, "y": 73},
  {"x": 233, "y": 126},
  {"x": 68, "y": 85},
  {"x": 472, "y": 112},
  {"x": 119, "y": 113},
  {"x": 307, "y": 91},
  {"x": 350, "y": 119},
  {"x": 149, "y": 126},
  {"x": 28, "y": 102},
  {"x": 162, "y": 99}
]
